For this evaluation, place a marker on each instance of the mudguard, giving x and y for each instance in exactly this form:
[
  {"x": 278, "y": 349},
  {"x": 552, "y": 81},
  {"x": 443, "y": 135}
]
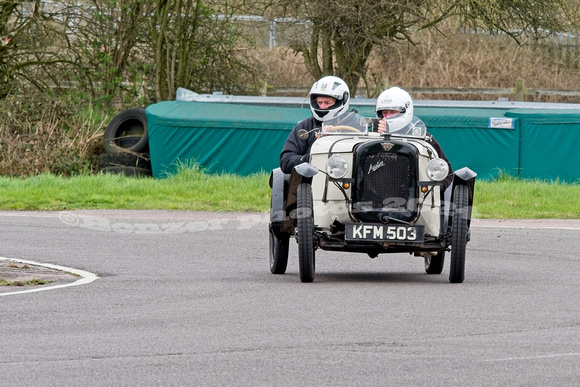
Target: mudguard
[
  {"x": 301, "y": 173},
  {"x": 279, "y": 184},
  {"x": 446, "y": 206},
  {"x": 466, "y": 176},
  {"x": 283, "y": 200}
]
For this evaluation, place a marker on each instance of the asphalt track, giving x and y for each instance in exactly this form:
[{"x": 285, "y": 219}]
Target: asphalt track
[{"x": 186, "y": 298}]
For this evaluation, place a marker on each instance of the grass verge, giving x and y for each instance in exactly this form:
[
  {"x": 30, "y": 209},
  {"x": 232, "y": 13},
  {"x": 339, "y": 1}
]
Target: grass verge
[
  {"x": 192, "y": 189},
  {"x": 512, "y": 198}
]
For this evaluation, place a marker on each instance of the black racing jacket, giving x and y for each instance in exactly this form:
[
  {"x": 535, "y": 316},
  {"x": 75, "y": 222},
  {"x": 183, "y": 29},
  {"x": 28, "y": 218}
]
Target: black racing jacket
[{"x": 297, "y": 150}]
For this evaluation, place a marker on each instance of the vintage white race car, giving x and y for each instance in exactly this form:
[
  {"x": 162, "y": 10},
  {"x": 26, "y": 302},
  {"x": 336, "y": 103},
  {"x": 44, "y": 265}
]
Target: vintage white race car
[{"x": 371, "y": 193}]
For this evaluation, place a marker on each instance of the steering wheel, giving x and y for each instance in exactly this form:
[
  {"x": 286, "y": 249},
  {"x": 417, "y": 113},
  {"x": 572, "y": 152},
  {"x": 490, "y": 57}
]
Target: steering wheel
[{"x": 343, "y": 127}]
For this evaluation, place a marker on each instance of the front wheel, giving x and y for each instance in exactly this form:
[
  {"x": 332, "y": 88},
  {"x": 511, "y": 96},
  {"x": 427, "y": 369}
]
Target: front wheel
[
  {"x": 278, "y": 253},
  {"x": 305, "y": 232},
  {"x": 459, "y": 234}
]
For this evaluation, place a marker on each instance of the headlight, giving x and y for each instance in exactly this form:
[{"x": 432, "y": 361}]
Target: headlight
[
  {"x": 437, "y": 169},
  {"x": 336, "y": 167}
]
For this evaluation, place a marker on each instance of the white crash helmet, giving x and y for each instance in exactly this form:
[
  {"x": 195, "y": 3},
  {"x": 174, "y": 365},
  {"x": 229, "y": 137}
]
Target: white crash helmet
[
  {"x": 329, "y": 86},
  {"x": 398, "y": 99}
]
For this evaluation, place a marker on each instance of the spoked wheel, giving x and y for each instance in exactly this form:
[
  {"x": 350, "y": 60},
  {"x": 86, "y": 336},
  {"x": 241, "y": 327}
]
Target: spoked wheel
[
  {"x": 305, "y": 232},
  {"x": 278, "y": 253},
  {"x": 459, "y": 234},
  {"x": 434, "y": 263}
]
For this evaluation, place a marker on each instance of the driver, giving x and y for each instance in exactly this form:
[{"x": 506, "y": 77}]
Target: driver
[
  {"x": 329, "y": 99},
  {"x": 395, "y": 112}
]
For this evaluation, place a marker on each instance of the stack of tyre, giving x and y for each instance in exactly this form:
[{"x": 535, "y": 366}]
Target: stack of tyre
[{"x": 126, "y": 143}]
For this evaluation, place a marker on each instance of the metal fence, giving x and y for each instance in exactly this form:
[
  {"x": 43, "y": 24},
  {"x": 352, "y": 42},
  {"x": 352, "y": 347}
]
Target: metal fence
[{"x": 518, "y": 92}]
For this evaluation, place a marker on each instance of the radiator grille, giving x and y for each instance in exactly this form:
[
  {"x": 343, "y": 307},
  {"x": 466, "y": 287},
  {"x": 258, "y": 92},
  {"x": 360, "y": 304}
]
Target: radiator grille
[
  {"x": 385, "y": 182},
  {"x": 386, "y": 178}
]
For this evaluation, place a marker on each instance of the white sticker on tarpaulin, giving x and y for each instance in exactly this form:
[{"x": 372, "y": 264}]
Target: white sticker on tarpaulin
[{"x": 501, "y": 122}]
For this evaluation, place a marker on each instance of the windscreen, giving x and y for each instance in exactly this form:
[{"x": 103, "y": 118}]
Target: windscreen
[{"x": 349, "y": 123}]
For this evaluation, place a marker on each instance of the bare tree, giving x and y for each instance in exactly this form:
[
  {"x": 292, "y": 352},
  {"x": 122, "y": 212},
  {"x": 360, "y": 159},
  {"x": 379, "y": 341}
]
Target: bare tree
[
  {"x": 344, "y": 33},
  {"x": 108, "y": 48},
  {"x": 63, "y": 44},
  {"x": 198, "y": 46},
  {"x": 16, "y": 19},
  {"x": 104, "y": 42}
]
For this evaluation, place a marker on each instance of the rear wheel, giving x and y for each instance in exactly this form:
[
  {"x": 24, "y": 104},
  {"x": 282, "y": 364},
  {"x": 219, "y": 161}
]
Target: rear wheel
[
  {"x": 459, "y": 234},
  {"x": 278, "y": 253},
  {"x": 434, "y": 263},
  {"x": 305, "y": 232}
]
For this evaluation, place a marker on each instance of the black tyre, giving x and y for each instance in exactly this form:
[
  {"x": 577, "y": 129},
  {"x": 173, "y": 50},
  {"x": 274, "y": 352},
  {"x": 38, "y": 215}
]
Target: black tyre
[
  {"x": 127, "y": 130},
  {"x": 129, "y": 171},
  {"x": 305, "y": 232},
  {"x": 127, "y": 142},
  {"x": 434, "y": 263},
  {"x": 278, "y": 253},
  {"x": 124, "y": 159},
  {"x": 459, "y": 234}
]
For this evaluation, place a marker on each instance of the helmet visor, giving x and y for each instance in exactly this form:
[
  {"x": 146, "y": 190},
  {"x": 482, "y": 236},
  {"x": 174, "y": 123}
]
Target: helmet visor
[
  {"x": 391, "y": 113},
  {"x": 323, "y": 104}
]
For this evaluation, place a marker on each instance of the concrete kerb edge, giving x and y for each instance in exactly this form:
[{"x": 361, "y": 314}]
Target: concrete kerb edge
[{"x": 86, "y": 277}]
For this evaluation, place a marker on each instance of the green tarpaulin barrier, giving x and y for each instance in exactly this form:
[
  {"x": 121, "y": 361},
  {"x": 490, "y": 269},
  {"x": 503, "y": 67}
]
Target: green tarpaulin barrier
[
  {"x": 245, "y": 139},
  {"x": 468, "y": 139},
  {"x": 549, "y": 144},
  {"x": 222, "y": 138}
]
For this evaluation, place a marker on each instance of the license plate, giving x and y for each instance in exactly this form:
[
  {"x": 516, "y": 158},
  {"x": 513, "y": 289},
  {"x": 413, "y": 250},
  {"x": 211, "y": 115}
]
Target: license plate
[{"x": 383, "y": 232}]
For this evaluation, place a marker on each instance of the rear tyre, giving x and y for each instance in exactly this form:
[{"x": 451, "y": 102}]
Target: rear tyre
[
  {"x": 305, "y": 232},
  {"x": 434, "y": 263},
  {"x": 278, "y": 253},
  {"x": 459, "y": 234}
]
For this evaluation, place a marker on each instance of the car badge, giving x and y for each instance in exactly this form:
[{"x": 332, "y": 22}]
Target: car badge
[
  {"x": 387, "y": 145},
  {"x": 374, "y": 167}
]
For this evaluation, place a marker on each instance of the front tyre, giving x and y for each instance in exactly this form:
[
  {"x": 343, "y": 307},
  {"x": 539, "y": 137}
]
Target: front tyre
[
  {"x": 278, "y": 253},
  {"x": 305, "y": 232},
  {"x": 459, "y": 234}
]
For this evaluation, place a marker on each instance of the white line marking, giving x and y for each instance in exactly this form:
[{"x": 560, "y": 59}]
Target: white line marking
[{"x": 86, "y": 277}]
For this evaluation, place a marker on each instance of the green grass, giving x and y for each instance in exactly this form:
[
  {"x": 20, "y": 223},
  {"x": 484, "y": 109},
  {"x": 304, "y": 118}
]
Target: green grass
[
  {"x": 193, "y": 190},
  {"x": 189, "y": 189},
  {"x": 512, "y": 198}
]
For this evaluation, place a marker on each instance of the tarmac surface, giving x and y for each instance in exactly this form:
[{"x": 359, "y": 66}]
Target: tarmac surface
[
  {"x": 187, "y": 298},
  {"x": 19, "y": 274}
]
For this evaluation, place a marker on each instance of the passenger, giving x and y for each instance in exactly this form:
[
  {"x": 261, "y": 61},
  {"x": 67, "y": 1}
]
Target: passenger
[
  {"x": 329, "y": 99},
  {"x": 394, "y": 109}
]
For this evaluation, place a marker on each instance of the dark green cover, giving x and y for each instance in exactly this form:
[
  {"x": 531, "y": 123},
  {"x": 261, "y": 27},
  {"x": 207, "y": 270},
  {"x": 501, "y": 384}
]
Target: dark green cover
[
  {"x": 245, "y": 139},
  {"x": 468, "y": 141},
  {"x": 222, "y": 138},
  {"x": 549, "y": 143}
]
